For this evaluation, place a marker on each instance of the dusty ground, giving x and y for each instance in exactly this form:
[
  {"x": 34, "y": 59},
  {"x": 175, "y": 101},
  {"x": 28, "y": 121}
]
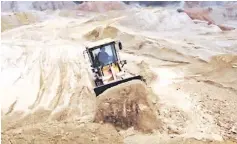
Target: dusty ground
[{"x": 190, "y": 69}]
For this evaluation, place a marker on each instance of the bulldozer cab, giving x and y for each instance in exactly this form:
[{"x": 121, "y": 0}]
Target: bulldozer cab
[
  {"x": 106, "y": 66},
  {"x": 103, "y": 55}
]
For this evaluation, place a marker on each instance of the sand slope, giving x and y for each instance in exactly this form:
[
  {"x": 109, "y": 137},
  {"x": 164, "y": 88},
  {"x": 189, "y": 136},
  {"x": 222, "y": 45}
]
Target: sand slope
[{"x": 190, "y": 71}]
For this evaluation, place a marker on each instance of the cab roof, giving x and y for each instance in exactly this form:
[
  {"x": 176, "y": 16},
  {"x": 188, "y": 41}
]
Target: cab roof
[{"x": 98, "y": 43}]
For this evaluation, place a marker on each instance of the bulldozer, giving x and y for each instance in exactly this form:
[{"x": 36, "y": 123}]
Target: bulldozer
[{"x": 105, "y": 68}]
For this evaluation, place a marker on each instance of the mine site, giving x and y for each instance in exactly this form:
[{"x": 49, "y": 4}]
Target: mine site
[{"x": 118, "y": 72}]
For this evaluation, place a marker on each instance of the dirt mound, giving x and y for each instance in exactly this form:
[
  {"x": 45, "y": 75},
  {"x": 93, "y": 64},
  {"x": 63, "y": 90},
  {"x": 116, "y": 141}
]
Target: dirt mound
[
  {"x": 64, "y": 133},
  {"x": 225, "y": 60},
  {"x": 156, "y": 21},
  {"x": 160, "y": 50},
  {"x": 127, "y": 105},
  {"x": 141, "y": 68},
  {"x": 101, "y": 6},
  {"x": 219, "y": 72},
  {"x": 11, "y": 121},
  {"x": 13, "y": 6},
  {"x": 9, "y": 21},
  {"x": 204, "y": 15},
  {"x": 101, "y": 33}
]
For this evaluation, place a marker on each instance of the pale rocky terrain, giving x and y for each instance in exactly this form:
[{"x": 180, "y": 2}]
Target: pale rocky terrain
[{"x": 190, "y": 95}]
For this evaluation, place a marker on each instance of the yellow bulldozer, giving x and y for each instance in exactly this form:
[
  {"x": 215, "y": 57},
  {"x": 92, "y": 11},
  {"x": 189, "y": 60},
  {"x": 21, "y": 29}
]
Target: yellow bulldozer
[{"x": 105, "y": 67}]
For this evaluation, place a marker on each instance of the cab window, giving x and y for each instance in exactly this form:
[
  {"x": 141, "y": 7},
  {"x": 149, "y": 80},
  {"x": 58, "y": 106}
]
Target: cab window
[{"x": 104, "y": 55}]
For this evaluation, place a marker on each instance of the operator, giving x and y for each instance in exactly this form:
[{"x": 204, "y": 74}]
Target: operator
[{"x": 103, "y": 56}]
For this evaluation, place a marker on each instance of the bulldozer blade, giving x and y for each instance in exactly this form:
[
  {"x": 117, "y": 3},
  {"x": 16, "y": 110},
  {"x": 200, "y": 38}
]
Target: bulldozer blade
[{"x": 99, "y": 90}]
